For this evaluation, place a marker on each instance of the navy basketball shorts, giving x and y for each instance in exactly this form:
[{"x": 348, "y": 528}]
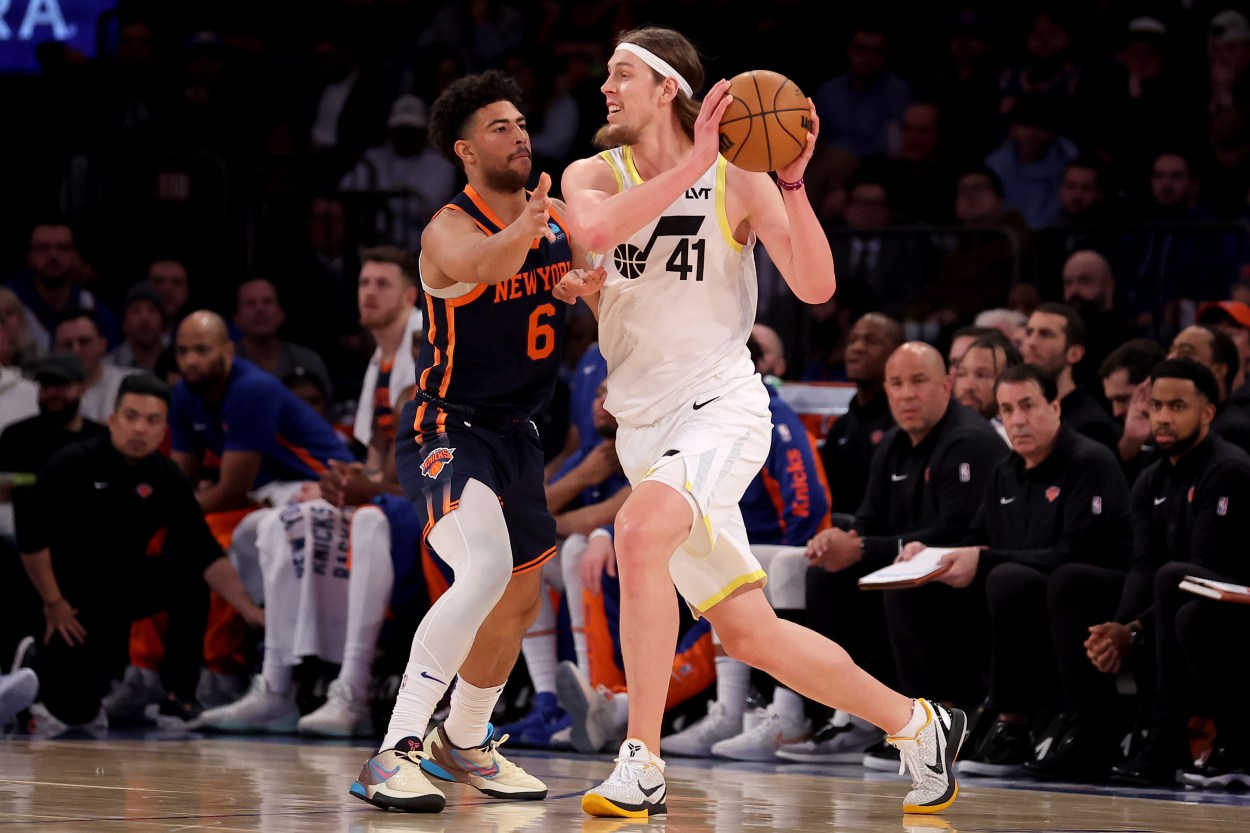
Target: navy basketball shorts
[{"x": 447, "y": 450}]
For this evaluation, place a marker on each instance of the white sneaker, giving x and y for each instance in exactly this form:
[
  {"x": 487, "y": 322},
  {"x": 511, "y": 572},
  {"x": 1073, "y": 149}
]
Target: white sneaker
[
  {"x": 929, "y": 757},
  {"x": 696, "y": 740},
  {"x": 843, "y": 740},
  {"x": 393, "y": 779},
  {"x": 343, "y": 715},
  {"x": 17, "y": 691},
  {"x": 43, "y": 724},
  {"x": 127, "y": 701},
  {"x": 562, "y": 739},
  {"x": 591, "y": 708},
  {"x": 762, "y": 742},
  {"x": 260, "y": 710},
  {"x": 635, "y": 789}
]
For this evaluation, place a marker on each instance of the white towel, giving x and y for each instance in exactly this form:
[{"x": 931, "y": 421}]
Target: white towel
[{"x": 403, "y": 374}]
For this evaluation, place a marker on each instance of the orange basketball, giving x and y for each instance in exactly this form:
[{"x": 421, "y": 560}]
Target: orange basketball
[{"x": 765, "y": 126}]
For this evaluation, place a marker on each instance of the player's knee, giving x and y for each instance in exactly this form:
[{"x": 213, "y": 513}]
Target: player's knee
[
  {"x": 649, "y": 538},
  {"x": 522, "y": 599},
  {"x": 745, "y": 644}
]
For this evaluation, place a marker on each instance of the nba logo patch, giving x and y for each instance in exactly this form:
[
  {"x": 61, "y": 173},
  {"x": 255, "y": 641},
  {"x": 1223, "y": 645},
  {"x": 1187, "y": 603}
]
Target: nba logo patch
[
  {"x": 1052, "y": 493},
  {"x": 926, "y": 474},
  {"x": 1191, "y": 494},
  {"x": 438, "y": 459},
  {"x": 965, "y": 472},
  {"x": 143, "y": 490},
  {"x": 783, "y": 431},
  {"x": 1221, "y": 507},
  {"x": 1096, "y": 505}
]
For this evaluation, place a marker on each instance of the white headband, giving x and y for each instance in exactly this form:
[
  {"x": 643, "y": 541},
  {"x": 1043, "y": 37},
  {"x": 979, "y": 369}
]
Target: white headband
[{"x": 659, "y": 65}]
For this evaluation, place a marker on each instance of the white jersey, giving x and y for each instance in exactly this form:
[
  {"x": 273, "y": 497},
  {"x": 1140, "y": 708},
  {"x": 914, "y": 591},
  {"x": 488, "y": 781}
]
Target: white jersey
[{"x": 679, "y": 302}]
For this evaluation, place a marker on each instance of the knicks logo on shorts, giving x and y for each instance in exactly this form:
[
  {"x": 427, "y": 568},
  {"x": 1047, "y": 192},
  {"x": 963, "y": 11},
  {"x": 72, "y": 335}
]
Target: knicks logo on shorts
[{"x": 432, "y": 466}]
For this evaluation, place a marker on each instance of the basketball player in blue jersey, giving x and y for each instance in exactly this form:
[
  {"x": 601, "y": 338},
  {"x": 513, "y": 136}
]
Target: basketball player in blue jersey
[
  {"x": 677, "y": 224},
  {"x": 467, "y": 452}
]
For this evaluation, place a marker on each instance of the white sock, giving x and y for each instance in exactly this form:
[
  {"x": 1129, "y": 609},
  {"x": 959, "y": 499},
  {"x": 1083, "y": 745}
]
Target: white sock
[
  {"x": 471, "y": 710},
  {"x": 539, "y": 646},
  {"x": 368, "y": 595},
  {"x": 788, "y": 705},
  {"x": 570, "y": 562},
  {"x": 418, "y": 697},
  {"x": 277, "y": 677},
  {"x": 733, "y": 685},
  {"x": 918, "y": 718}
]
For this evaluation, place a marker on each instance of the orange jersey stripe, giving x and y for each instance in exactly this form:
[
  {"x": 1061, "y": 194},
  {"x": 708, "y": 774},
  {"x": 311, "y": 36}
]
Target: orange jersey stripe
[{"x": 302, "y": 453}]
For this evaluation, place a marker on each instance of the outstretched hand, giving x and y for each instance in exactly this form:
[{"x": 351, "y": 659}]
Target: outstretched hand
[
  {"x": 537, "y": 212},
  {"x": 579, "y": 283}
]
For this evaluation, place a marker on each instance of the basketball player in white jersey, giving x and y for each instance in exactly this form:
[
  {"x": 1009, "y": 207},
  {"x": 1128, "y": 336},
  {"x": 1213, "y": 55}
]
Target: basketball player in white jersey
[{"x": 676, "y": 225}]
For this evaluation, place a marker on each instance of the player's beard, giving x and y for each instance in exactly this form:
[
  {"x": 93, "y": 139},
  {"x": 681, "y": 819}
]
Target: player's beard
[
  {"x": 378, "y": 319},
  {"x": 616, "y": 135},
  {"x": 215, "y": 373},
  {"x": 506, "y": 179}
]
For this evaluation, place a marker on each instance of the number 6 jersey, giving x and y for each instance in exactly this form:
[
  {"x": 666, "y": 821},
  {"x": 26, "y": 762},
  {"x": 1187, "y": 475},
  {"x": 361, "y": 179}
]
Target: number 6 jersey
[
  {"x": 498, "y": 347},
  {"x": 679, "y": 302}
]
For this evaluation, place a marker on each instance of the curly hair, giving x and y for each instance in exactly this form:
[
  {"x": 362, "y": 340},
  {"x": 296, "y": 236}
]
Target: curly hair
[{"x": 455, "y": 106}]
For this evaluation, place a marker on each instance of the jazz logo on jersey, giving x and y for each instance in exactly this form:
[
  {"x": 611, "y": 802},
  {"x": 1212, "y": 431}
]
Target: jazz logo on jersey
[{"x": 432, "y": 466}]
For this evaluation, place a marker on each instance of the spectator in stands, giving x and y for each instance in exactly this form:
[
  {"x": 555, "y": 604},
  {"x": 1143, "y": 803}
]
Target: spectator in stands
[
  {"x": 1126, "y": 385},
  {"x": 853, "y": 438},
  {"x": 553, "y": 116},
  {"x": 860, "y": 110},
  {"x": 1058, "y": 498},
  {"x": 977, "y": 373},
  {"x": 967, "y": 88},
  {"x": 991, "y": 253},
  {"x": 1055, "y": 341},
  {"x": 259, "y": 317},
  {"x": 1048, "y": 65},
  {"x": 892, "y": 268},
  {"x": 1006, "y": 321},
  {"x": 1215, "y": 350},
  {"x": 925, "y": 483},
  {"x": 15, "y": 320},
  {"x": 1083, "y": 208},
  {"x": 1032, "y": 159},
  {"x": 1162, "y": 263},
  {"x": 79, "y": 333},
  {"x": 772, "y": 361},
  {"x": 1185, "y": 521},
  {"x": 94, "y": 586},
  {"x": 407, "y": 164},
  {"x": 961, "y": 340},
  {"x": 47, "y": 287},
  {"x": 19, "y": 396},
  {"x": 169, "y": 278},
  {"x": 1089, "y": 288},
  {"x": 1232, "y": 318},
  {"x": 144, "y": 335},
  {"x": 921, "y": 171}
]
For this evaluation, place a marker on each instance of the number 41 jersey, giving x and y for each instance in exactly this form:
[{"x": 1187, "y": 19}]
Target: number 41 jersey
[
  {"x": 679, "y": 302},
  {"x": 498, "y": 347}
]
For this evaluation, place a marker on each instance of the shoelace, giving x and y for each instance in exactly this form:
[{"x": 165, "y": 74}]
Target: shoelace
[
  {"x": 909, "y": 762},
  {"x": 491, "y": 747},
  {"x": 627, "y": 770}
]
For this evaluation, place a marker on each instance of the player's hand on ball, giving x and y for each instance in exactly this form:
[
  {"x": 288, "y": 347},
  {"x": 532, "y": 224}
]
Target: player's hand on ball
[
  {"x": 794, "y": 171},
  {"x": 707, "y": 125},
  {"x": 579, "y": 283}
]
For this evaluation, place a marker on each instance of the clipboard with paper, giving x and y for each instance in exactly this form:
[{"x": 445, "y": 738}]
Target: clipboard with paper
[
  {"x": 921, "y": 569},
  {"x": 1221, "y": 590}
]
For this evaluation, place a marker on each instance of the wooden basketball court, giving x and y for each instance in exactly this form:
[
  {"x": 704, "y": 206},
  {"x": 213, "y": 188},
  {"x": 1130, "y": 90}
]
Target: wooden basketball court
[{"x": 152, "y": 783}]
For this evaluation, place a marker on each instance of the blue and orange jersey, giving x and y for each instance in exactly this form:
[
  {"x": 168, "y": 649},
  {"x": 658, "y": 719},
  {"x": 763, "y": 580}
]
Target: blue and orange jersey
[
  {"x": 383, "y": 414},
  {"x": 258, "y": 414},
  {"x": 788, "y": 501},
  {"x": 498, "y": 347}
]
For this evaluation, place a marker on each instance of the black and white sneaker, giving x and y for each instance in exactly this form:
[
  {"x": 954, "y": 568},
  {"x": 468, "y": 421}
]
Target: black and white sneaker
[
  {"x": 929, "y": 757},
  {"x": 635, "y": 790}
]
